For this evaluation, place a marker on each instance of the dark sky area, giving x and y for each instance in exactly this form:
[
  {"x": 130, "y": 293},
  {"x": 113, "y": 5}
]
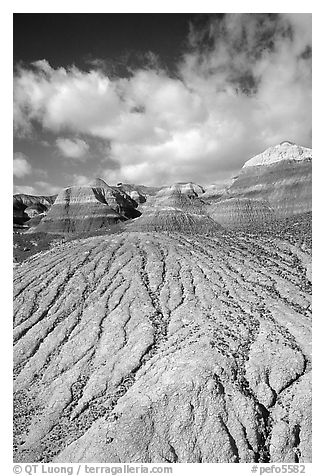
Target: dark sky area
[
  {"x": 155, "y": 98},
  {"x": 65, "y": 39}
]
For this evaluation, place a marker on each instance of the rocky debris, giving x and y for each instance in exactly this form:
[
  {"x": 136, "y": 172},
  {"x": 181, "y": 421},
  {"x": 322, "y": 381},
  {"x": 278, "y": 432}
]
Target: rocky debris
[
  {"x": 176, "y": 208},
  {"x": 27, "y": 206},
  {"x": 241, "y": 213},
  {"x": 163, "y": 347},
  {"x": 26, "y": 245},
  {"x": 280, "y": 176},
  {"x": 85, "y": 208},
  {"x": 297, "y": 230}
]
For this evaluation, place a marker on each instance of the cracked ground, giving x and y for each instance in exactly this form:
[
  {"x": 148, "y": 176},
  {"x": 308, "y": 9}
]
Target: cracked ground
[{"x": 163, "y": 347}]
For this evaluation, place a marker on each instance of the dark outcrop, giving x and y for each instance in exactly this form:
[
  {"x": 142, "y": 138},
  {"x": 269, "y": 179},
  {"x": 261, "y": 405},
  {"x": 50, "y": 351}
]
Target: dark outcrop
[
  {"x": 28, "y": 206},
  {"x": 139, "y": 193}
]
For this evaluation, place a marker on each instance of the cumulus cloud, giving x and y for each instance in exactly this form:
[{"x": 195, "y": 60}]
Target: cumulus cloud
[
  {"x": 39, "y": 188},
  {"x": 73, "y": 148},
  {"x": 243, "y": 84},
  {"x": 21, "y": 166},
  {"x": 27, "y": 189},
  {"x": 80, "y": 180},
  {"x": 46, "y": 188}
]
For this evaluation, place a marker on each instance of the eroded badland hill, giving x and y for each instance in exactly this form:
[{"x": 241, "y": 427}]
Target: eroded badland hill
[{"x": 179, "y": 338}]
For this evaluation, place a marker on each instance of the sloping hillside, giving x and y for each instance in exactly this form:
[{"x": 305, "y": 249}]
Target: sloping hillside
[
  {"x": 164, "y": 347},
  {"x": 89, "y": 207},
  {"x": 280, "y": 176},
  {"x": 177, "y": 208}
]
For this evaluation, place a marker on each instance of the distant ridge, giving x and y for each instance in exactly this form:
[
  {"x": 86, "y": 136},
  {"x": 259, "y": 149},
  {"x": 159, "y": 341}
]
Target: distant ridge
[
  {"x": 284, "y": 151},
  {"x": 176, "y": 208},
  {"x": 274, "y": 184},
  {"x": 89, "y": 207},
  {"x": 280, "y": 177}
]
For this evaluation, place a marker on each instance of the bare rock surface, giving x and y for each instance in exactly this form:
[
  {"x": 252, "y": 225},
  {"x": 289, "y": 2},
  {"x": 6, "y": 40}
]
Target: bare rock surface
[
  {"x": 281, "y": 176},
  {"x": 286, "y": 151},
  {"x": 35, "y": 210},
  {"x": 164, "y": 347},
  {"x": 176, "y": 208},
  {"x": 90, "y": 207},
  {"x": 27, "y": 206}
]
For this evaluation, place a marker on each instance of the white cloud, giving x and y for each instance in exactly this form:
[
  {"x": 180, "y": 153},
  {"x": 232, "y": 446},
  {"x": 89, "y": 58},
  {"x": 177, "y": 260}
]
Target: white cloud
[
  {"x": 244, "y": 85},
  {"x": 73, "y": 148},
  {"x": 27, "y": 189},
  {"x": 40, "y": 188},
  {"x": 46, "y": 188},
  {"x": 80, "y": 180},
  {"x": 41, "y": 173},
  {"x": 21, "y": 166}
]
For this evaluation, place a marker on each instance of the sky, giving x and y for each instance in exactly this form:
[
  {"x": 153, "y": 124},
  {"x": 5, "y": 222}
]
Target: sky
[{"x": 155, "y": 98}]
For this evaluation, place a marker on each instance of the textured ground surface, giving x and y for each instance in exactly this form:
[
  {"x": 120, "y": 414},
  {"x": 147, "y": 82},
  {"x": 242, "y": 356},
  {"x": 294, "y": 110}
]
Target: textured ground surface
[
  {"x": 26, "y": 245},
  {"x": 161, "y": 347},
  {"x": 241, "y": 213}
]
